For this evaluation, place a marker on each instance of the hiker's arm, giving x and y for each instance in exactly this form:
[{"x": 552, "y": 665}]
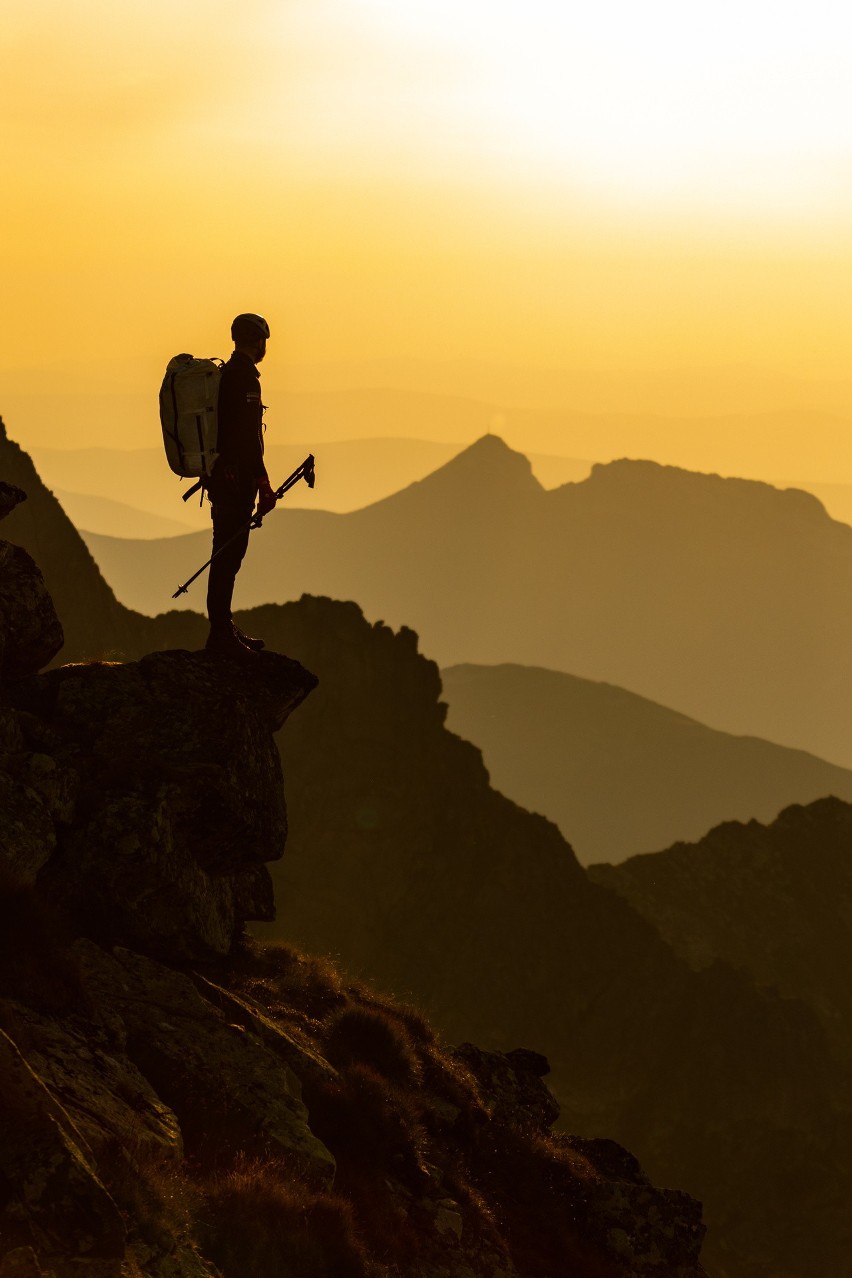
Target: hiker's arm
[{"x": 266, "y": 498}]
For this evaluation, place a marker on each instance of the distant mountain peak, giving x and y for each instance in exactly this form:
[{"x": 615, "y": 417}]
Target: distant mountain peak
[
  {"x": 490, "y": 457},
  {"x": 486, "y": 468}
]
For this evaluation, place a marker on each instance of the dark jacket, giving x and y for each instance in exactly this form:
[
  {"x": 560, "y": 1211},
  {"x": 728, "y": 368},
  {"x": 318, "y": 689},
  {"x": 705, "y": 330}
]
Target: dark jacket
[{"x": 240, "y": 442}]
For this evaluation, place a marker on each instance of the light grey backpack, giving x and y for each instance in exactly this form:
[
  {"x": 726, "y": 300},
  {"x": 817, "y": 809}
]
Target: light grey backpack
[{"x": 189, "y": 398}]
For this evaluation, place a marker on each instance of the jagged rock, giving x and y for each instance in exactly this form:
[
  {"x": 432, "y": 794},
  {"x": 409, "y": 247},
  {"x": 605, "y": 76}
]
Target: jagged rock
[
  {"x": 10, "y": 496},
  {"x": 99, "y": 1087},
  {"x": 512, "y": 1086},
  {"x": 609, "y": 1159},
  {"x": 228, "y": 1089},
  {"x": 305, "y": 1062},
  {"x": 183, "y": 798},
  {"x": 50, "y": 1196},
  {"x": 30, "y": 631},
  {"x": 654, "y": 1233}
]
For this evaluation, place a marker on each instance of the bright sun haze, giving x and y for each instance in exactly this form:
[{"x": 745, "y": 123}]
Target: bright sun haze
[{"x": 613, "y": 188}]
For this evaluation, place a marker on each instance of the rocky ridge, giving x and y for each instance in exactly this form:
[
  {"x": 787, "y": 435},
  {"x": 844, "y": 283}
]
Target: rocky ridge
[
  {"x": 772, "y": 899},
  {"x": 180, "y": 1103}
]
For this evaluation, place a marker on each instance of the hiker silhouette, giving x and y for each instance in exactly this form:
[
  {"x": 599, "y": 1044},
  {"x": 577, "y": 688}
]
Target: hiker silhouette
[{"x": 237, "y": 480}]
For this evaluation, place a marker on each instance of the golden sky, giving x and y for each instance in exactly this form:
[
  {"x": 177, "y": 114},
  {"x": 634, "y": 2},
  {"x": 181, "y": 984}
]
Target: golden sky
[{"x": 547, "y": 185}]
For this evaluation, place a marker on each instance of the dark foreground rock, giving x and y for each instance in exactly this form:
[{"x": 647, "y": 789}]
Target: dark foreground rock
[{"x": 159, "y": 795}]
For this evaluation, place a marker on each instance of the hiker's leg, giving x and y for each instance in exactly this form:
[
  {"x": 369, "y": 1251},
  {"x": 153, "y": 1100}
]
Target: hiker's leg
[{"x": 232, "y": 510}]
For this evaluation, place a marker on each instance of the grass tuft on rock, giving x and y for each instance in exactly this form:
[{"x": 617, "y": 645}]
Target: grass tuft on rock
[
  {"x": 374, "y": 1037},
  {"x": 259, "y": 1220}
]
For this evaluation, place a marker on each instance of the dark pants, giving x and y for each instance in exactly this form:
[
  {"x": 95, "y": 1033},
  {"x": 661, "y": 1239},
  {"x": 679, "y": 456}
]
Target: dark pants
[{"x": 233, "y": 506}]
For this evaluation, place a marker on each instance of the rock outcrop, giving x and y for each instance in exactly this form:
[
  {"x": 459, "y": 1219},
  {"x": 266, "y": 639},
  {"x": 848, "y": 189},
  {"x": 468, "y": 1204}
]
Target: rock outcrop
[
  {"x": 179, "y": 797},
  {"x": 30, "y": 631},
  {"x": 177, "y": 1102},
  {"x": 417, "y": 875}
]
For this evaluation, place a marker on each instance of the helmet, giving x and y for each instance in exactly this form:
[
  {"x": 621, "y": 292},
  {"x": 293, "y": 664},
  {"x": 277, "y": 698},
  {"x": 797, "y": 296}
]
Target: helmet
[{"x": 249, "y": 325}]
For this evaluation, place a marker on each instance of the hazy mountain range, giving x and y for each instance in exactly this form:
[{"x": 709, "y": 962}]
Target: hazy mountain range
[
  {"x": 350, "y": 474},
  {"x": 735, "y": 421},
  {"x": 726, "y": 599},
  {"x": 617, "y": 773},
  {"x": 353, "y": 472}
]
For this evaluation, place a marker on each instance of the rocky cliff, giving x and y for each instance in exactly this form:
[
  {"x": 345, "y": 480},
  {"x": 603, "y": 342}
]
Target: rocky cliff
[
  {"x": 407, "y": 866},
  {"x": 178, "y": 1102}
]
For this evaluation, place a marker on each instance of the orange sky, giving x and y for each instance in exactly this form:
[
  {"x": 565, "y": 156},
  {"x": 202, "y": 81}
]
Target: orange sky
[{"x": 502, "y": 183}]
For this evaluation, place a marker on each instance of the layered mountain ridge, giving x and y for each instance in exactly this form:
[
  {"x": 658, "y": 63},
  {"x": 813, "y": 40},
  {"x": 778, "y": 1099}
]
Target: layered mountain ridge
[
  {"x": 408, "y": 866},
  {"x": 619, "y": 774},
  {"x": 774, "y": 900},
  {"x": 724, "y": 599}
]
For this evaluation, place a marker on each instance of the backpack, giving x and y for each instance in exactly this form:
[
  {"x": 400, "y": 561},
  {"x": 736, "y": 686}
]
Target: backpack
[{"x": 189, "y": 398}]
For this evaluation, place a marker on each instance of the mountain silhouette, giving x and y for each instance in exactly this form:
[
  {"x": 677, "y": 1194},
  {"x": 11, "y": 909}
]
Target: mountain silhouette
[
  {"x": 96, "y": 625},
  {"x": 618, "y": 774},
  {"x": 774, "y": 900},
  {"x": 405, "y": 864},
  {"x": 116, "y": 518},
  {"x": 726, "y": 599}
]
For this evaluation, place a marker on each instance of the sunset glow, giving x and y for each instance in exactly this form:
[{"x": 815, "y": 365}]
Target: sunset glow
[{"x": 541, "y": 186}]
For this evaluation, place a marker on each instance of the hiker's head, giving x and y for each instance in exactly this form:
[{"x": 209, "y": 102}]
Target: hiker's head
[{"x": 249, "y": 333}]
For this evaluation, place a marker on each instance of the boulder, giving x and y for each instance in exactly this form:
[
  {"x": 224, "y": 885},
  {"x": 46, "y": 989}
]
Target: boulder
[
  {"x": 512, "y": 1085},
  {"x": 30, "y": 631}
]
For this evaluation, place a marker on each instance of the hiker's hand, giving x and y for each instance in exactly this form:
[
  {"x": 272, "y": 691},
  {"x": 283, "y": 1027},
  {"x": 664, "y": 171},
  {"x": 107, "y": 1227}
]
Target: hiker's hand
[{"x": 266, "y": 498}]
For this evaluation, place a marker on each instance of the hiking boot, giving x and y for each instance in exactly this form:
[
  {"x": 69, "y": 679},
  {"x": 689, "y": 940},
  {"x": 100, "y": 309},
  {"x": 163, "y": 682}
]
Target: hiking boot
[
  {"x": 224, "y": 640},
  {"x": 249, "y": 640}
]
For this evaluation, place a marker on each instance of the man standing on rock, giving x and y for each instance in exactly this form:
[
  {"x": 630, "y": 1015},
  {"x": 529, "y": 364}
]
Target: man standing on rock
[{"x": 238, "y": 479}]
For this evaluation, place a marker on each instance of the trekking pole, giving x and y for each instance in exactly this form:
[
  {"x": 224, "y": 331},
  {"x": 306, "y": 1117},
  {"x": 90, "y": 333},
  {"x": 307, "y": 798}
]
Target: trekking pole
[{"x": 305, "y": 471}]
